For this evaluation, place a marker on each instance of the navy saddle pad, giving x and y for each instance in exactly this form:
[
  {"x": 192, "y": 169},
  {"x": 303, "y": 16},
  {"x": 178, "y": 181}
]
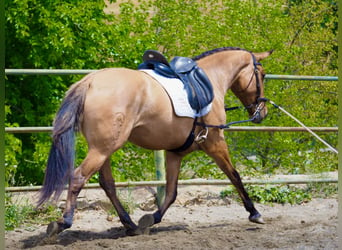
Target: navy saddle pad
[{"x": 196, "y": 83}]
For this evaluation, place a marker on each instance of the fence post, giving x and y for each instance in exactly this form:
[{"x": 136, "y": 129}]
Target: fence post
[{"x": 159, "y": 161}]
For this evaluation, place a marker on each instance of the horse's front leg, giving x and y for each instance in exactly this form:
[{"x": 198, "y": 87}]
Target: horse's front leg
[
  {"x": 173, "y": 162},
  {"x": 218, "y": 150}
]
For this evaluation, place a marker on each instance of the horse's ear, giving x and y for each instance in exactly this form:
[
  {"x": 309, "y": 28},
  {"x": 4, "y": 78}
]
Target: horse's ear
[{"x": 262, "y": 55}]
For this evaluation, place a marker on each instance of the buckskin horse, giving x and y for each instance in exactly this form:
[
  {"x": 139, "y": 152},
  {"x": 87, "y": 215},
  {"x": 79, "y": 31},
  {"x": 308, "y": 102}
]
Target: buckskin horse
[{"x": 115, "y": 105}]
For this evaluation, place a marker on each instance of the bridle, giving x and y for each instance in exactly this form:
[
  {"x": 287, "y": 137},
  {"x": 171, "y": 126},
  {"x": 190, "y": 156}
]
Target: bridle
[{"x": 258, "y": 104}]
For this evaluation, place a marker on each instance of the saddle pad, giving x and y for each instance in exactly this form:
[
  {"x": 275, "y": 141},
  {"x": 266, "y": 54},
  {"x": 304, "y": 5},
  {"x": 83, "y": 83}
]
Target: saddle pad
[{"x": 178, "y": 95}]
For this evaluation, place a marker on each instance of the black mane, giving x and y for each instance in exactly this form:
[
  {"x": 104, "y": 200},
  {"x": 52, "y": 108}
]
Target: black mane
[{"x": 213, "y": 51}]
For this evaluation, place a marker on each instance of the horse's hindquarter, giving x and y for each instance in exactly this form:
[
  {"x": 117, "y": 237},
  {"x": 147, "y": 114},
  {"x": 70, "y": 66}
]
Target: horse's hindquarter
[{"x": 123, "y": 104}]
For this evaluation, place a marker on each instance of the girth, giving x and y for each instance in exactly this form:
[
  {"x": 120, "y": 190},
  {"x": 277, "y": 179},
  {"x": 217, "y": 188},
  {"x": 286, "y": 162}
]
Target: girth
[{"x": 189, "y": 141}]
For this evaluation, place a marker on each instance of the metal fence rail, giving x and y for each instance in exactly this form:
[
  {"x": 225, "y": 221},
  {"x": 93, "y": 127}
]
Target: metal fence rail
[{"x": 87, "y": 71}]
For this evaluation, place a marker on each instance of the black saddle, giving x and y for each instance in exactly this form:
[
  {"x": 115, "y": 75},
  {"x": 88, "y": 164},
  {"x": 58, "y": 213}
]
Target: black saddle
[{"x": 196, "y": 83}]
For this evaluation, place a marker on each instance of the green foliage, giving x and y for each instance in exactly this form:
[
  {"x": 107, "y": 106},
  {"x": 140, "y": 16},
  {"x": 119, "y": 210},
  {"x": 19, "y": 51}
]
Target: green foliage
[
  {"x": 81, "y": 35},
  {"x": 285, "y": 193},
  {"x": 273, "y": 194},
  {"x": 280, "y": 153},
  {"x": 21, "y": 213},
  {"x": 12, "y": 150},
  {"x": 53, "y": 34},
  {"x": 199, "y": 165},
  {"x": 133, "y": 163},
  {"x": 323, "y": 190},
  {"x": 282, "y": 194}
]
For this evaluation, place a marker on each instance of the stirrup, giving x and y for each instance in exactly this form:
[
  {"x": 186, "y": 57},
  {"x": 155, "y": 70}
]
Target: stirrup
[{"x": 202, "y": 135}]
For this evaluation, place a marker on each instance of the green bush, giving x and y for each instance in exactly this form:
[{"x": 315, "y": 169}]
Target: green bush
[
  {"x": 272, "y": 194},
  {"x": 282, "y": 194}
]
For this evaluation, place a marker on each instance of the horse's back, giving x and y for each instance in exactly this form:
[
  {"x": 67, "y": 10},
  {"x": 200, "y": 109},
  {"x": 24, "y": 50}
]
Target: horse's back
[
  {"x": 119, "y": 88},
  {"x": 113, "y": 81}
]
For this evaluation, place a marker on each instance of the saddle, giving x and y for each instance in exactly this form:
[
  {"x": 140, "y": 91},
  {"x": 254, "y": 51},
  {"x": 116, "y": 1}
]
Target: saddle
[{"x": 195, "y": 81}]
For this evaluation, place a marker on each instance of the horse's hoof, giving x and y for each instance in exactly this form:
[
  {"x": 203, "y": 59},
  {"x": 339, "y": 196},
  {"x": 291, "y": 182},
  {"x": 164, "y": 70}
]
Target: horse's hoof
[
  {"x": 146, "y": 221},
  {"x": 52, "y": 229},
  {"x": 256, "y": 219}
]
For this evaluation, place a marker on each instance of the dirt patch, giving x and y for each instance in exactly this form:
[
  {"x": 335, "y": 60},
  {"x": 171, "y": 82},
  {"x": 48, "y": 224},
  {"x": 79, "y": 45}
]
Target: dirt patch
[{"x": 198, "y": 220}]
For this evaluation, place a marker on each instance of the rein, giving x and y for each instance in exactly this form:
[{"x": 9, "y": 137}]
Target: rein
[{"x": 227, "y": 125}]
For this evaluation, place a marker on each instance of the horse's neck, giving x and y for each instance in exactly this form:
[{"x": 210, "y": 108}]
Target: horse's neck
[{"x": 223, "y": 70}]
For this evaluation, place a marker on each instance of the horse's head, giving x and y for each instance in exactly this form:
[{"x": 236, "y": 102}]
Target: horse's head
[{"x": 249, "y": 87}]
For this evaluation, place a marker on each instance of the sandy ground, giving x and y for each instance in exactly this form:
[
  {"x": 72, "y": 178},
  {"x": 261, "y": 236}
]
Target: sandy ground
[{"x": 199, "y": 219}]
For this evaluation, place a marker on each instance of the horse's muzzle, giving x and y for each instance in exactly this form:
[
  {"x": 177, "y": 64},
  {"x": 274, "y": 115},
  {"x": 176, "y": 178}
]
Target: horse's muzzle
[{"x": 259, "y": 115}]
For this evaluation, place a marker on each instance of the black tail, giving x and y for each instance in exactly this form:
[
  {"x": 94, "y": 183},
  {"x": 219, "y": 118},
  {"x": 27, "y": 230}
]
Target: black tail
[{"x": 60, "y": 164}]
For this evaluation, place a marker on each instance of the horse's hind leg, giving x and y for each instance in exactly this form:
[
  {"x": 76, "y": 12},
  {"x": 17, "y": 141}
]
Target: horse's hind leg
[
  {"x": 108, "y": 185},
  {"x": 89, "y": 166},
  {"x": 218, "y": 150}
]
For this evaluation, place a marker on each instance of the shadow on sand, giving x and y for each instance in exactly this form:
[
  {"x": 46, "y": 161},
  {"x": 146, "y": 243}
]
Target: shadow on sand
[{"x": 70, "y": 236}]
